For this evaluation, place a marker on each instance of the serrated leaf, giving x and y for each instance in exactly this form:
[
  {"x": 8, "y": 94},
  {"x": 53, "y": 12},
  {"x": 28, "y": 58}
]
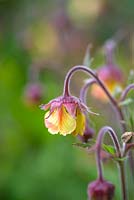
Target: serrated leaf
[
  {"x": 109, "y": 148},
  {"x": 126, "y": 102}
]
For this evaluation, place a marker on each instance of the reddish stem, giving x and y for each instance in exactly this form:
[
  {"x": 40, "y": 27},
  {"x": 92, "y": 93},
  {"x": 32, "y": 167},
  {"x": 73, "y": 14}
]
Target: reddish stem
[
  {"x": 126, "y": 91},
  {"x": 128, "y": 148},
  {"x": 83, "y": 91},
  {"x": 66, "y": 91},
  {"x": 113, "y": 135}
]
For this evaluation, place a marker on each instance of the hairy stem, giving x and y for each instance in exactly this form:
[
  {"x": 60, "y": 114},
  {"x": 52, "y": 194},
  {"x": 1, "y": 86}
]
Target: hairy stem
[
  {"x": 101, "y": 134},
  {"x": 89, "y": 71},
  {"x": 83, "y": 91},
  {"x": 113, "y": 135},
  {"x": 126, "y": 148},
  {"x": 126, "y": 91},
  {"x": 123, "y": 181}
]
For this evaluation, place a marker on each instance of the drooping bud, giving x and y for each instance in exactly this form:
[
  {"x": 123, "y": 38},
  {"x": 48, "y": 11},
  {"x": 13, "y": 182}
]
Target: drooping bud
[
  {"x": 88, "y": 133},
  {"x": 33, "y": 94},
  {"x": 101, "y": 190},
  {"x": 109, "y": 73},
  {"x": 127, "y": 136}
]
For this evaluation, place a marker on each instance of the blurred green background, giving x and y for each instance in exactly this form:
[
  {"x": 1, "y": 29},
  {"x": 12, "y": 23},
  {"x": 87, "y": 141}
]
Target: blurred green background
[{"x": 52, "y": 36}]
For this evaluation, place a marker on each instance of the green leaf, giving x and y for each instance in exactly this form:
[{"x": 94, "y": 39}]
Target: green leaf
[
  {"x": 108, "y": 148},
  {"x": 84, "y": 145},
  {"x": 120, "y": 159},
  {"x": 126, "y": 102}
]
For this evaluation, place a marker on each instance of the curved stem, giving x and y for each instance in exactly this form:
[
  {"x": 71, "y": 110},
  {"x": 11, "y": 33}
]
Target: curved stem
[
  {"x": 126, "y": 149},
  {"x": 89, "y": 71},
  {"x": 83, "y": 91},
  {"x": 113, "y": 135},
  {"x": 102, "y": 132},
  {"x": 126, "y": 91},
  {"x": 66, "y": 91}
]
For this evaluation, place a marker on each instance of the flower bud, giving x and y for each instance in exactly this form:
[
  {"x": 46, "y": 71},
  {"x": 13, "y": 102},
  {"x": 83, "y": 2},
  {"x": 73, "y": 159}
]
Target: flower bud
[
  {"x": 88, "y": 134},
  {"x": 112, "y": 77},
  {"x": 109, "y": 73},
  {"x": 100, "y": 190},
  {"x": 33, "y": 94},
  {"x": 127, "y": 136}
]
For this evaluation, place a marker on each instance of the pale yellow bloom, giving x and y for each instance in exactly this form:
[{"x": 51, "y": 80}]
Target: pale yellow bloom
[
  {"x": 60, "y": 121},
  {"x": 66, "y": 116}
]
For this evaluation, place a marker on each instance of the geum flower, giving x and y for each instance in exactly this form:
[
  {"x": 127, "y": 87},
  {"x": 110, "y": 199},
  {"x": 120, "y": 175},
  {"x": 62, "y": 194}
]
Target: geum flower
[
  {"x": 112, "y": 78},
  {"x": 66, "y": 116},
  {"x": 110, "y": 74},
  {"x": 33, "y": 94}
]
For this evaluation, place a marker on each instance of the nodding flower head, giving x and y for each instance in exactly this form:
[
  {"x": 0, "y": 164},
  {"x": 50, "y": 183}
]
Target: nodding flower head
[
  {"x": 112, "y": 77},
  {"x": 101, "y": 190},
  {"x": 110, "y": 73},
  {"x": 65, "y": 116}
]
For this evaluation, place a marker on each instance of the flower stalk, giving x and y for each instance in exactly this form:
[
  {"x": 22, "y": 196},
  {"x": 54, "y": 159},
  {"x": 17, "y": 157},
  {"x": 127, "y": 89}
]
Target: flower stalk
[
  {"x": 83, "y": 92},
  {"x": 122, "y": 98},
  {"x": 68, "y": 114},
  {"x": 113, "y": 135},
  {"x": 66, "y": 91},
  {"x": 126, "y": 91}
]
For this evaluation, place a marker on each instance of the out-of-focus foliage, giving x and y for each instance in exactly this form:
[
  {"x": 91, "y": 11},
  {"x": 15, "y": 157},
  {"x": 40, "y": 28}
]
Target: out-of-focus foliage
[{"x": 53, "y": 36}]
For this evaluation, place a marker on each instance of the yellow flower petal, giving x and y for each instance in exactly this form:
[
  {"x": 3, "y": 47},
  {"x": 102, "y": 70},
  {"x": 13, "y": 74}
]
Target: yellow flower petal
[
  {"x": 52, "y": 121},
  {"x": 67, "y": 123},
  {"x": 60, "y": 121},
  {"x": 80, "y": 123}
]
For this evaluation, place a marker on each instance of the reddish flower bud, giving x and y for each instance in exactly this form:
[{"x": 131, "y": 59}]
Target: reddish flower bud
[
  {"x": 88, "y": 133},
  {"x": 110, "y": 74},
  {"x": 100, "y": 190},
  {"x": 112, "y": 77},
  {"x": 33, "y": 94}
]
